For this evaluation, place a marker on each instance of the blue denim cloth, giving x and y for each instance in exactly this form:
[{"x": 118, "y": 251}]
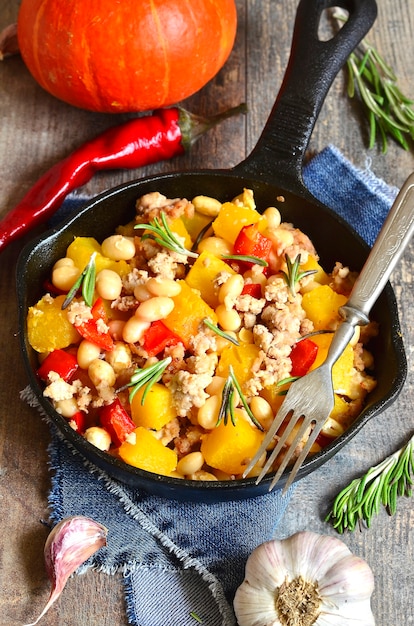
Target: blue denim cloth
[{"x": 183, "y": 558}]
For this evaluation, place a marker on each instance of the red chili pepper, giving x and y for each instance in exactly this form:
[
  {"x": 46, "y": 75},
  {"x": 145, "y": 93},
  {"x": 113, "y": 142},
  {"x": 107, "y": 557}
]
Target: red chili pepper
[
  {"x": 251, "y": 242},
  {"x": 163, "y": 135},
  {"x": 117, "y": 422},
  {"x": 59, "y": 361},
  {"x": 252, "y": 289},
  {"x": 90, "y": 329},
  {"x": 303, "y": 355},
  {"x": 158, "y": 337}
]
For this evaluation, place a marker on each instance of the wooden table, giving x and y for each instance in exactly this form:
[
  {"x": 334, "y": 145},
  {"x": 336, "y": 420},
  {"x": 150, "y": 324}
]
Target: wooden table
[{"x": 36, "y": 131}]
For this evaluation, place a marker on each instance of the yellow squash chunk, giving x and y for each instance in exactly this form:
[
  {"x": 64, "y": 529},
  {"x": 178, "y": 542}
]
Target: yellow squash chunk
[
  {"x": 178, "y": 227},
  {"x": 48, "y": 327},
  {"x": 241, "y": 358},
  {"x": 188, "y": 313},
  {"x": 232, "y": 218},
  {"x": 202, "y": 274},
  {"x": 195, "y": 224},
  {"x": 148, "y": 453},
  {"x": 321, "y": 306},
  {"x": 81, "y": 249},
  {"x": 157, "y": 410},
  {"x": 343, "y": 371},
  {"x": 229, "y": 448},
  {"x": 312, "y": 264}
]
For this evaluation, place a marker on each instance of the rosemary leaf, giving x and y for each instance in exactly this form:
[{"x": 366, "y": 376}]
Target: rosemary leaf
[
  {"x": 390, "y": 113},
  {"x": 87, "y": 281},
  {"x": 293, "y": 275},
  {"x": 146, "y": 377},
  {"x": 380, "y": 486},
  {"x": 245, "y": 258},
  {"x": 220, "y": 332},
  {"x": 163, "y": 235}
]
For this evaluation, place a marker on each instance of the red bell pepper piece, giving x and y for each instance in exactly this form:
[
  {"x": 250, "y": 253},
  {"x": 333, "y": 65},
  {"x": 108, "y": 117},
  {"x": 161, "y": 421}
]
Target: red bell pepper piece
[
  {"x": 303, "y": 355},
  {"x": 59, "y": 361},
  {"x": 90, "y": 329},
  {"x": 158, "y": 337},
  {"x": 78, "y": 421},
  {"x": 251, "y": 242},
  {"x": 252, "y": 289},
  {"x": 116, "y": 421}
]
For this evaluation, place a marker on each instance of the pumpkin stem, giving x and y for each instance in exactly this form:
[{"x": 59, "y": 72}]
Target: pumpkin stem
[{"x": 192, "y": 126}]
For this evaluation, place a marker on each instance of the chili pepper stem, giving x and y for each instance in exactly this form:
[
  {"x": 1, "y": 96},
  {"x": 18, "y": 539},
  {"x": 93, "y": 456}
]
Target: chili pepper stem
[{"x": 193, "y": 126}]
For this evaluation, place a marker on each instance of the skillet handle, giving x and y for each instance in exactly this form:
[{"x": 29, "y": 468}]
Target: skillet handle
[{"x": 312, "y": 67}]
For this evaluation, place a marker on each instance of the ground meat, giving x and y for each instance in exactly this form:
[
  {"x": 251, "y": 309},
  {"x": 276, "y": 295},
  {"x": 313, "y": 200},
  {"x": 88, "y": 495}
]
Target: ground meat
[
  {"x": 152, "y": 204},
  {"x": 188, "y": 390},
  {"x": 79, "y": 312},
  {"x": 168, "y": 264},
  {"x": 248, "y": 304}
]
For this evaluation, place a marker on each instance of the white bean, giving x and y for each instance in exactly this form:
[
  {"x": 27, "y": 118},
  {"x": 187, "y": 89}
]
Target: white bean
[
  {"x": 228, "y": 319},
  {"x": 120, "y": 357},
  {"x": 65, "y": 276},
  {"x": 215, "y": 245},
  {"x": 232, "y": 288},
  {"x": 207, "y": 205},
  {"x": 134, "y": 329},
  {"x": 108, "y": 284},
  {"x": 190, "y": 463},
  {"x": 161, "y": 286},
  {"x": 87, "y": 352},
  {"x": 207, "y": 415},
  {"x": 98, "y": 437},
  {"x": 118, "y": 248},
  {"x": 156, "y": 308},
  {"x": 101, "y": 373}
]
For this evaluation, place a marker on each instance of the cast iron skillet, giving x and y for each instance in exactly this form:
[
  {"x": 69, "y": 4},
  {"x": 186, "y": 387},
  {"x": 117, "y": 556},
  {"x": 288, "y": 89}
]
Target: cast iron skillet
[{"x": 273, "y": 169}]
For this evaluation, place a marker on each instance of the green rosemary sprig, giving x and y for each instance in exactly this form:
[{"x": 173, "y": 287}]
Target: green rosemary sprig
[
  {"x": 293, "y": 275},
  {"x": 381, "y": 485},
  {"x": 163, "y": 235},
  {"x": 246, "y": 258},
  {"x": 227, "y": 403},
  {"x": 87, "y": 280},
  {"x": 390, "y": 113},
  {"x": 220, "y": 332},
  {"x": 146, "y": 377}
]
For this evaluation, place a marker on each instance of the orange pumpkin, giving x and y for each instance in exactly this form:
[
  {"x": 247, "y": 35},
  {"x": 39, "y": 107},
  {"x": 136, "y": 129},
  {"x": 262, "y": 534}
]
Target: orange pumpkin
[{"x": 123, "y": 55}]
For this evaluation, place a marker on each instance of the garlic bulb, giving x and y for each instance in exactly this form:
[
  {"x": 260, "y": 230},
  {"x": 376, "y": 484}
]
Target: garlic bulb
[{"x": 305, "y": 580}]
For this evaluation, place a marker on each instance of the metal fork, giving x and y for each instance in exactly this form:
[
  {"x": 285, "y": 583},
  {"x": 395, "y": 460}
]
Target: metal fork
[{"x": 312, "y": 397}]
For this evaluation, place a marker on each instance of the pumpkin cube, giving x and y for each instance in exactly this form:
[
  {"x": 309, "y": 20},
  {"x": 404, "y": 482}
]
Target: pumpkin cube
[
  {"x": 321, "y": 306},
  {"x": 203, "y": 273},
  {"x": 195, "y": 224},
  {"x": 229, "y": 447},
  {"x": 157, "y": 409},
  {"x": 242, "y": 358},
  {"x": 48, "y": 326},
  {"x": 312, "y": 264},
  {"x": 188, "y": 313},
  {"x": 178, "y": 227},
  {"x": 148, "y": 453},
  {"x": 343, "y": 371},
  {"x": 81, "y": 249},
  {"x": 232, "y": 218}
]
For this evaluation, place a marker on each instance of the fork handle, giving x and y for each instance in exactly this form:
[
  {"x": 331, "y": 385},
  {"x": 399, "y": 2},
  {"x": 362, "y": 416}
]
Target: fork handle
[{"x": 385, "y": 254}]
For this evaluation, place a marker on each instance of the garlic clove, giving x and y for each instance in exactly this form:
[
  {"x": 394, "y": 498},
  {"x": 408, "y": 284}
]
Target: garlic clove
[{"x": 70, "y": 543}]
